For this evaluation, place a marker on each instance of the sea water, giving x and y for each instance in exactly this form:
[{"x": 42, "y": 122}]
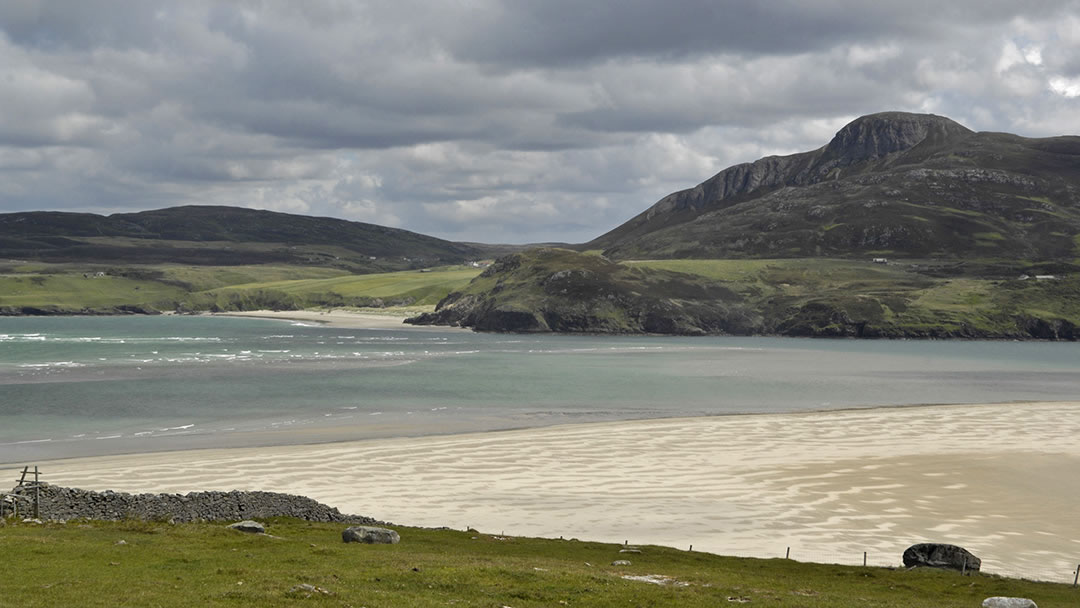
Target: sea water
[{"x": 76, "y": 386}]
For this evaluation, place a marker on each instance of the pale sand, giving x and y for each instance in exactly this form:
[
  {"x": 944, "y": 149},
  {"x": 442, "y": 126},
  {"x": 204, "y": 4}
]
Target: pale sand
[
  {"x": 374, "y": 319},
  {"x": 1001, "y": 480}
]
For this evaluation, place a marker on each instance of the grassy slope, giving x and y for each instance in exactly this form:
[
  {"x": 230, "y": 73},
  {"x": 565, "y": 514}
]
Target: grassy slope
[
  {"x": 208, "y": 565},
  {"x": 808, "y": 296},
  {"x": 64, "y": 287},
  {"x": 891, "y": 295}
]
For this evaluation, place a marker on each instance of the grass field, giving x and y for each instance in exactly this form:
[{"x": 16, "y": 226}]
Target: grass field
[
  {"x": 425, "y": 288},
  {"x": 182, "y": 565},
  {"x": 77, "y": 288}
]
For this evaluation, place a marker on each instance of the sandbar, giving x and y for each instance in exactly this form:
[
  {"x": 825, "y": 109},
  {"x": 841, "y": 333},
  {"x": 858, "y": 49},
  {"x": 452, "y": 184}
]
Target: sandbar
[
  {"x": 998, "y": 479},
  {"x": 366, "y": 319}
]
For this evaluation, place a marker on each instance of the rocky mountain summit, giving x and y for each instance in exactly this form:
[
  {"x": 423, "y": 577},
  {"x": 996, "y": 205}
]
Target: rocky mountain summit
[{"x": 889, "y": 184}]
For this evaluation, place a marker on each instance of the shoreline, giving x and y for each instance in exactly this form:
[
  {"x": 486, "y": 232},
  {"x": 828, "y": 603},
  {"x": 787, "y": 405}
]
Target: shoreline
[
  {"x": 366, "y": 319},
  {"x": 391, "y": 319},
  {"x": 828, "y": 484}
]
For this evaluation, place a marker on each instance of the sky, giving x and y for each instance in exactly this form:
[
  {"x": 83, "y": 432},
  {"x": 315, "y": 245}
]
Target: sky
[{"x": 499, "y": 121}]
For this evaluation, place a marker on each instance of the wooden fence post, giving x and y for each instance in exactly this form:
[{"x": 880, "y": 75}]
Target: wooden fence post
[{"x": 37, "y": 494}]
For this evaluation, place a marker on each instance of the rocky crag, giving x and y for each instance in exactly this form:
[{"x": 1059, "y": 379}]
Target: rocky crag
[
  {"x": 892, "y": 183},
  {"x": 60, "y": 503}
]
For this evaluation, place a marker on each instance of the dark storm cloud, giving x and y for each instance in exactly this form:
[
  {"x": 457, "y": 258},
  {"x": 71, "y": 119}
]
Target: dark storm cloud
[
  {"x": 555, "y": 32},
  {"x": 483, "y": 119}
]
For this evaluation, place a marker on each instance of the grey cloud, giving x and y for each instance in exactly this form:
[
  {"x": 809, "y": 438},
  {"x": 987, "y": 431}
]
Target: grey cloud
[
  {"x": 567, "y": 31},
  {"x": 485, "y": 120}
]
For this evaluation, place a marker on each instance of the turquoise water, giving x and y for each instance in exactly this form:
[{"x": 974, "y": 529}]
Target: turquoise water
[{"x": 72, "y": 386}]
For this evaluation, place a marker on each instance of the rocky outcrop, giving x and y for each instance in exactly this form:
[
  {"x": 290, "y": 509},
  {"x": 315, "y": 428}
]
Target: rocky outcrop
[
  {"x": 370, "y": 535},
  {"x": 60, "y": 503},
  {"x": 557, "y": 290},
  {"x": 937, "y": 555}
]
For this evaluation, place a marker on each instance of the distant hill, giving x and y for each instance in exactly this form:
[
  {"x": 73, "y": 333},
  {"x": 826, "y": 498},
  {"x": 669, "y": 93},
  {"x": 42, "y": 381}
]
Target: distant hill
[
  {"x": 208, "y": 235},
  {"x": 889, "y": 184}
]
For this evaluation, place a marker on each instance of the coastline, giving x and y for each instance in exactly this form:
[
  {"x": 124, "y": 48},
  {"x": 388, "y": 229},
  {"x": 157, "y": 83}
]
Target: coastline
[
  {"x": 367, "y": 319},
  {"x": 990, "y": 477}
]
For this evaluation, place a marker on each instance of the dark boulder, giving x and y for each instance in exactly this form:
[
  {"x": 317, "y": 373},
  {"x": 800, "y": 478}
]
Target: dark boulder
[{"x": 937, "y": 555}]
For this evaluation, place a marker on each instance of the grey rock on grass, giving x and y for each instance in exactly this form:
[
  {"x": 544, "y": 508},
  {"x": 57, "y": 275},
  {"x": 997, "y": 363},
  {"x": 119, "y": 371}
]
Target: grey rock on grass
[
  {"x": 1008, "y": 602},
  {"x": 252, "y": 527},
  {"x": 370, "y": 535}
]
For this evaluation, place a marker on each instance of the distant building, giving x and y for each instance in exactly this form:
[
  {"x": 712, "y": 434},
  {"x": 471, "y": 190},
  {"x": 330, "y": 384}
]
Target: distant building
[
  {"x": 1045, "y": 277},
  {"x": 881, "y": 261}
]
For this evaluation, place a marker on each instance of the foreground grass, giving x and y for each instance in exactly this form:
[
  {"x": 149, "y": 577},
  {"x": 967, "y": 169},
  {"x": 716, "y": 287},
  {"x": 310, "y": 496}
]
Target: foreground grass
[{"x": 81, "y": 564}]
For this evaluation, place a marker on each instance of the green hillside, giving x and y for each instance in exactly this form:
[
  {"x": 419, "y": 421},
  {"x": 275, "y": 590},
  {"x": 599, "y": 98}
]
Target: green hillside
[
  {"x": 181, "y": 565},
  {"x": 565, "y": 291},
  {"x": 39, "y": 288}
]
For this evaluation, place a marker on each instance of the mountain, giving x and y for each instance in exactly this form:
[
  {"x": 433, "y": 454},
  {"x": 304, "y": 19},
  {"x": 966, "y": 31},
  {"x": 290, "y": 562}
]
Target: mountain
[
  {"x": 903, "y": 225},
  {"x": 221, "y": 236},
  {"x": 888, "y": 184}
]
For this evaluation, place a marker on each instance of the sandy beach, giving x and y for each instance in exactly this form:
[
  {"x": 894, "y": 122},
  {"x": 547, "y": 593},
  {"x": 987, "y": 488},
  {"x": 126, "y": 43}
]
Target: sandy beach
[
  {"x": 999, "y": 479},
  {"x": 368, "y": 319}
]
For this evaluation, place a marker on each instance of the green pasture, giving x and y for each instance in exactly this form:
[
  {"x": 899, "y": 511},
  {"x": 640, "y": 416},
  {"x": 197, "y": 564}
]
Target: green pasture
[
  {"x": 180, "y": 565},
  {"x": 78, "y": 288}
]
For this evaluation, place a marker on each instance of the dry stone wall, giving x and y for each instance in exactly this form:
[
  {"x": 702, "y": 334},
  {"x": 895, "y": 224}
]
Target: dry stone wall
[{"x": 60, "y": 503}]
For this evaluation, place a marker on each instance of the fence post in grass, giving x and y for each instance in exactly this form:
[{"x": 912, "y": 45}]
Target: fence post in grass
[
  {"x": 37, "y": 494},
  {"x": 1076, "y": 579},
  {"x": 691, "y": 547},
  {"x": 963, "y": 571},
  {"x": 788, "y": 554},
  {"x": 864, "y": 559}
]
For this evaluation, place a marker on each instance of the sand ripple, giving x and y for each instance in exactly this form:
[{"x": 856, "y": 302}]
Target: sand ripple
[{"x": 997, "y": 479}]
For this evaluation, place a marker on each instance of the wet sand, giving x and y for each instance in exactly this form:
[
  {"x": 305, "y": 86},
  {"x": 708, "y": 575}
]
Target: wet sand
[{"x": 999, "y": 479}]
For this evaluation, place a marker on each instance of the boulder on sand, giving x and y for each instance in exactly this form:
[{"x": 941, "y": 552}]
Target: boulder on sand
[
  {"x": 370, "y": 535},
  {"x": 938, "y": 555}
]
